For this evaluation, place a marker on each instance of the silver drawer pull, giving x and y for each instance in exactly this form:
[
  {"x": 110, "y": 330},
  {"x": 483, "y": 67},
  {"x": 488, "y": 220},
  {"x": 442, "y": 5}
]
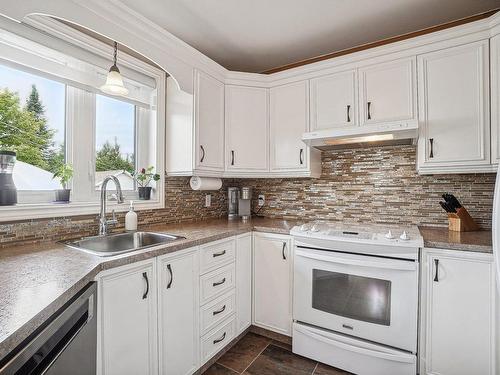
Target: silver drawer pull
[
  {"x": 219, "y": 311},
  {"x": 219, "y": 282},
  {"x": 215, "y": 255},
  {"x": 221, "y": 339}
]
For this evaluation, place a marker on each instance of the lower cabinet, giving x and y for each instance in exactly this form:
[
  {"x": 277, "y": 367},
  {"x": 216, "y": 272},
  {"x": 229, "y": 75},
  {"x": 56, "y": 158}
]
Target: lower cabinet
[
  {"x": 458, "y": 313},
  {"x": 272, "y": 283},
  {"x": 244, "y": 281},
  {"x": 178, "y": 304},
  {"x": 127, "y": 320}
]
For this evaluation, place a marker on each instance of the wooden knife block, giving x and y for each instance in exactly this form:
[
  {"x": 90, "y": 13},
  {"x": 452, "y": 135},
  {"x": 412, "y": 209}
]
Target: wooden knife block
[{"x": 461, "y": 221}]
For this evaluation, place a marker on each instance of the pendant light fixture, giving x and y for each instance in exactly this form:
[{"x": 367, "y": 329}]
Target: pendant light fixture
[{"x": 114, "y": 81}]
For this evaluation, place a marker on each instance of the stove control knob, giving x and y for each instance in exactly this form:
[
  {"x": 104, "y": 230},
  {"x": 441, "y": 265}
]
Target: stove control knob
[
  {"x": 315, "y": 228},
  {"x": 404, "y": 236},
  {"x": 389, "y": 235},
  {"x": 304, "y": 228}
]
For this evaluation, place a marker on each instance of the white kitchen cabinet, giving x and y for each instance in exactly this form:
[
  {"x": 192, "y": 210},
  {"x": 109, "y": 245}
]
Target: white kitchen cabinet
[
  {"x": 209, "y": 122},
  {"x": 387, "y": 92},
  {"x": 458, "y": 313},
  {"x": 195, "y": 128},
  {"x": 333, "y": 101},
  {"x": 272, "y": 283},
  {"x": 454, "y": 119},
  {"x": 178, "y": 308},
  {"x": 247, "y": 130},
  {"x": 243, "y": 282},
  {"x": 127, "y": 320},
  {"x": 288, "y": 120},
  {"x": 495, "y": 98}
]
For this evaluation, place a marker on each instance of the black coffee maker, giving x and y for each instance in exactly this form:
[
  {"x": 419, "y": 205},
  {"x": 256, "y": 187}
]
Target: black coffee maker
[{"x": 8, "y": 191}]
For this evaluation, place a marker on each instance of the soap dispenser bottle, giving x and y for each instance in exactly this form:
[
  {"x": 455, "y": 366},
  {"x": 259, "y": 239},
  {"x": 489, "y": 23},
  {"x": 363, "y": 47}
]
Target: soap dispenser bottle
[{"x": 131, "y": 218}]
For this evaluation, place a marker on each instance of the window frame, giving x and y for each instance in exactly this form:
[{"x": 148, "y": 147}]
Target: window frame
[{"x": 27, "y": 51}]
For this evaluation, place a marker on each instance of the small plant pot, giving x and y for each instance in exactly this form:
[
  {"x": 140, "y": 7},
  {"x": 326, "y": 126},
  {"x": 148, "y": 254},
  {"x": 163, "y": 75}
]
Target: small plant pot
[
  {"x": 62, "y": 195},
  {"x": 145, "y": 193}
]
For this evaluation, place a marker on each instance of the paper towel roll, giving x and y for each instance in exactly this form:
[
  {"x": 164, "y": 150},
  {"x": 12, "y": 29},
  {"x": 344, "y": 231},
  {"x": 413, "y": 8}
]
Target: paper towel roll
[{"x": 205, "y": 183}]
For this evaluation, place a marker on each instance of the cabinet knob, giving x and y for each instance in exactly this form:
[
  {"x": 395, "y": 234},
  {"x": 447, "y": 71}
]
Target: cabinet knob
[
  {"x": 431, "y": 141},
  {"x": 283, "y": 251},
  {"x": 232, "y": 157},
  {"x": 301, "y": 156},
  {"x": 369, "y": 110},
  {"x": 348, "y": 113},
  {"x": 169, "y": 268}
]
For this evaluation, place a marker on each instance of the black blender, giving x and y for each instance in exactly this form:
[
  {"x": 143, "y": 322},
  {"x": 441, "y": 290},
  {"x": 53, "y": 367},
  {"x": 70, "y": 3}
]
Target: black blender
[{"x": 8, "y": 191}]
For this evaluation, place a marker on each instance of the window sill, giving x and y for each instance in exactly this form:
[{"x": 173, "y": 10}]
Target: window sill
[{"x": 52, "y": 210}]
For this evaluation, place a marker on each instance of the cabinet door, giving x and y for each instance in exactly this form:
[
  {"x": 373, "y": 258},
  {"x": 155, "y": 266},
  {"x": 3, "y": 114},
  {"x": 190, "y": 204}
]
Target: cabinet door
[
  {"x": 209, "y": 122},
  {"x": 289, "y": 119},
  {"x": 247, "y": 129},
  {"x": 387, "y": 92},
  {"x": 128, "y": 315},
  {"x": 459, "y": 326},
  {"x": 272, "y": 282},
  {"x": 454, "y": 108},
  {"x": 333, "y": 101},
  {"x": 495, "y": 99},
  {"x": 178, "y": 313},
  {"x": 244, "y": 281}
]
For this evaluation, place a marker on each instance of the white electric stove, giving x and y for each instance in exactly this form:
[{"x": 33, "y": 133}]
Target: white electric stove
[{"x": 356, "y": 296}]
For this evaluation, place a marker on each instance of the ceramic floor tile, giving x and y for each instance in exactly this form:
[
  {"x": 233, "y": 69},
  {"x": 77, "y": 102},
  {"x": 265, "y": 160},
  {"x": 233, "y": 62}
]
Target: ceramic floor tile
[
  {"x": 244, "y": 352},
  {"x": 279, "y": 361},
  {"x": 217, "y": 369},
  {"x": 327, "y": 370},
  {"x": 282, "y": 345}
]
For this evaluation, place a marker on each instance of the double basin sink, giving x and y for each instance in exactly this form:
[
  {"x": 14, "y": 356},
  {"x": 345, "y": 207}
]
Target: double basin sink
[{"x": 121, "y": 243}]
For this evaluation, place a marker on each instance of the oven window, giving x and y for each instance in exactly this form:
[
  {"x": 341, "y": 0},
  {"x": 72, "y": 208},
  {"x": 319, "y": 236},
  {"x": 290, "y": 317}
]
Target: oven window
[{"x": 355, "y": 297}]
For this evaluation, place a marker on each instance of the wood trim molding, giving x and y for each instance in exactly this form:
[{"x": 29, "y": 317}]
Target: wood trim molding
[{"x": 382, "y": 42}]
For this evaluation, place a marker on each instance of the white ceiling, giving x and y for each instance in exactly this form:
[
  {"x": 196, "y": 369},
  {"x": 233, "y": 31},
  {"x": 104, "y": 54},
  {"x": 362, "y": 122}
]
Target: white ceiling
[{"x": 256, "y": 35}]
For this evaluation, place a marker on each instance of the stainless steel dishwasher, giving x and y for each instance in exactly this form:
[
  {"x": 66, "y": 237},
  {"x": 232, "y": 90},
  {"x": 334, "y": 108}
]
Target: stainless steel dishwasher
[{"x": 66, "y": 345}]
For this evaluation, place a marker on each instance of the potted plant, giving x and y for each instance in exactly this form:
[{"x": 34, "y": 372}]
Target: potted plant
[
  {"x": 144, "y": 178},
  {"x": 64, "y": 173}
]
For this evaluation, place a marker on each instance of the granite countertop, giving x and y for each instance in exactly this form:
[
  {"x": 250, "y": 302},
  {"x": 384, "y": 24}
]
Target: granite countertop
[
  {"x": 36, "y": 280},
  {"x": 440, "y": 237}
]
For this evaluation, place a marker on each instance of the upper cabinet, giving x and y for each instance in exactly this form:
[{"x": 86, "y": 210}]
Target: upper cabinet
[
  {"x": 289, "y": 119},
  {"x": 387, "y": 92},
  {"x": 454, "y": 110},
  {"x": 195, "y": 128},
  {"x": 247, "y": 130},
  {"x": 495, "y": 99},
  {"x": 333, "y": 101},
  {"x": 209, "y": 122}
]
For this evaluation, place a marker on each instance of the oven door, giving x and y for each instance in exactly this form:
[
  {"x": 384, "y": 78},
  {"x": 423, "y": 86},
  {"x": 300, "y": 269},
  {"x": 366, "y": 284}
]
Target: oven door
[{"x": 369, "y": 297}]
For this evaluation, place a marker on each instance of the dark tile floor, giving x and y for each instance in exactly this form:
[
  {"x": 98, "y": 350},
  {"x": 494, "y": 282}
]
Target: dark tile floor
[{"x": 259, "y": 355}]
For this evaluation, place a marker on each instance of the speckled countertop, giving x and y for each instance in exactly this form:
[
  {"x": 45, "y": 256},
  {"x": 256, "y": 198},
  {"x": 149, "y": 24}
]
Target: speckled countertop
[
  {"x": 442, "y": 238},
  {"x": 37, "y": 280}
]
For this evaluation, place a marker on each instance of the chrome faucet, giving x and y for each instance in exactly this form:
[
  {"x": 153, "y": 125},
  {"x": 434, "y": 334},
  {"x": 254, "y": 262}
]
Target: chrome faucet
[{"x": 103, "y": 222}]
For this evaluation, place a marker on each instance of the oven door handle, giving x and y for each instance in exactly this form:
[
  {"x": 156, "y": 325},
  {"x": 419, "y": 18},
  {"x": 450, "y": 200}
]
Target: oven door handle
[
  {"x": 399, "y": 265},
  {"x": 405, "y": 358}
]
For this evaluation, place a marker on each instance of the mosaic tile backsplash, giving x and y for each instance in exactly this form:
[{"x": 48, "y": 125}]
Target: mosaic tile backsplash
[{"x": 376, "y": 185}]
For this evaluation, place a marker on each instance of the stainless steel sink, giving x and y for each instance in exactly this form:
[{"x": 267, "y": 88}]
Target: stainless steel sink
[{"x": 121, "y": 243}]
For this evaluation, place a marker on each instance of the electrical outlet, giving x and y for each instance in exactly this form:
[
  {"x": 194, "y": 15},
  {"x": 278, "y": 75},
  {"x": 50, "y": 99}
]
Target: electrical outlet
[
  {"x": 262, "y": 200},
  {"x": 208, "y": 200}
]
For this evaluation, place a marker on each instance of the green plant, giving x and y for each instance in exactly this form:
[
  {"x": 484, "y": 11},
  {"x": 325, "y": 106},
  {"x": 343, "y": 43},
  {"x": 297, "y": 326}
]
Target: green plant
[
  {"x": 64, "y": 173},
  {"x": 145, "y": 176}
]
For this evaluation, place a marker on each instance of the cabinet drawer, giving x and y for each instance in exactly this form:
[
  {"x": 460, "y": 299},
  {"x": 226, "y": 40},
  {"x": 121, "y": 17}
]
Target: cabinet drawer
[
  {"x": 215, "y": 340},
  {"x": 216, "y": 311},
  {"x": 216, "y": 283},
  {"x": 216, "y": 254}
]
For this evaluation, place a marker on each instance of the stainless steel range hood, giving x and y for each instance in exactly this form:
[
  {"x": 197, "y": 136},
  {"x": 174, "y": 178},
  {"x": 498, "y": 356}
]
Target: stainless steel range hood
[{"x": 363, "y": 136}]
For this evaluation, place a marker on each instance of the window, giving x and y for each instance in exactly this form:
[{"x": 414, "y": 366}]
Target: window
[
  {"x": 115, "y": 141},
  {"x": 53, "y": 113},
  {"x": 32, "y": 122}
]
